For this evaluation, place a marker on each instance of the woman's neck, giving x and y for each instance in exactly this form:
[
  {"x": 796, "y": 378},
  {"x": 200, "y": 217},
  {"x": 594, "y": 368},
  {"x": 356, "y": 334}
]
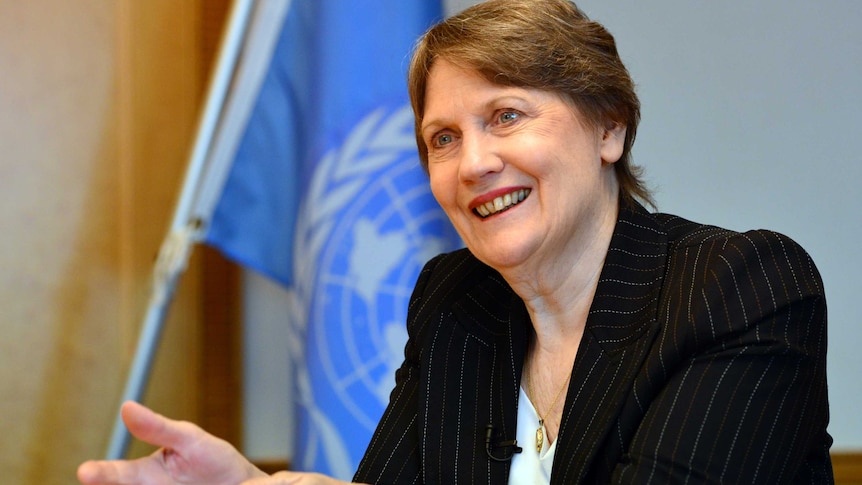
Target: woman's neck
[{"x": 559, "y": 290}]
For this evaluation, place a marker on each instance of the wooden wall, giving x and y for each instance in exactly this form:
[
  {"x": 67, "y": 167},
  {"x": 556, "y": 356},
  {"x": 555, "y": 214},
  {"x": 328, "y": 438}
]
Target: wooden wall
[
  {"x": 847, "y": 467},
  {"x": 98, "y": 102}
]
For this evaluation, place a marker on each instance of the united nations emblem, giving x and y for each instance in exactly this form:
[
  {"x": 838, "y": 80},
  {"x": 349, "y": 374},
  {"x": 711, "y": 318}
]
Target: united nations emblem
[{"x": 368, "y": 225}]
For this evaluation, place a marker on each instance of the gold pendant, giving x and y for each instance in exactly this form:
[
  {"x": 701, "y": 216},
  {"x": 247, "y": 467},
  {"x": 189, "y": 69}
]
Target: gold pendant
[{"x": 540, "y": 437}]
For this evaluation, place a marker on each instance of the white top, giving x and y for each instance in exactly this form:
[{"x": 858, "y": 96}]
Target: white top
[{"x": 530, "y": 466}]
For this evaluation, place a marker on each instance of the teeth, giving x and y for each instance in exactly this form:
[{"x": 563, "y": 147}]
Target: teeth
[{"x": 502, "y": 203}]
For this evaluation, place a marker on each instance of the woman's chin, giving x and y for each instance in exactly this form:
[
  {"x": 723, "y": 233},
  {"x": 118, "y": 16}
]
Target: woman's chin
[{"x": 502, "y": 258}]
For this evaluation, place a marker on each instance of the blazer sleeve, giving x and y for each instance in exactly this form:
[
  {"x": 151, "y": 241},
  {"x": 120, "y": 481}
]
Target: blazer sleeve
[
  {"x": 742, "y": 359},
  {"x": 393, "y": 455}
]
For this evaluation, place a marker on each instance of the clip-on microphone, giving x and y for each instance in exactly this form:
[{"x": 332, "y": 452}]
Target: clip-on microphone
[{"x": 491, "y": 436}]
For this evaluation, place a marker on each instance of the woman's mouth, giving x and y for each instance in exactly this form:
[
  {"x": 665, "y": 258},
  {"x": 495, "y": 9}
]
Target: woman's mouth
[{"x": 501, "y": 203}]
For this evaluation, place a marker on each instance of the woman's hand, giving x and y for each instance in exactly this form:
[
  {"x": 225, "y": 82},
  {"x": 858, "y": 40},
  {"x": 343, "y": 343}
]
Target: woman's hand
[
  {"x": 188, "y": 455},
  {"x": 289, "y": 478}
]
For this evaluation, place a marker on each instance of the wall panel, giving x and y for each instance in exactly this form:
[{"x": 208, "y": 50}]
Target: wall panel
[{"x": 99, "y": 100}]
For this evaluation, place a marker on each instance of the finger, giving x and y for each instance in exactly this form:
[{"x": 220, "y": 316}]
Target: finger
[
  {"x": 155, "y": 429},
  {"x": 90, "y": 472},
  {"x": 112, "y": 472}
]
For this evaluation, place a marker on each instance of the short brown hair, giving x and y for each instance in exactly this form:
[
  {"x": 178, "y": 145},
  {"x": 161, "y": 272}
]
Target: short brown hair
[{"x": 538, "y": 44}]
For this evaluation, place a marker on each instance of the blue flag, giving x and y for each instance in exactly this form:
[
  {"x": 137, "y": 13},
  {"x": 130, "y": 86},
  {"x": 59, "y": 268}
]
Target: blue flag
[{"x": 326, "y": 195}]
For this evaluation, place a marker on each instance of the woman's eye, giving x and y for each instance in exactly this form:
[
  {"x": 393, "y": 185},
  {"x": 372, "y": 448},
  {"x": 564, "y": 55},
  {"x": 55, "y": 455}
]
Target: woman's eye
[
  {"x": 508, "y": 116},
  {"x": 443, "y": 140}
]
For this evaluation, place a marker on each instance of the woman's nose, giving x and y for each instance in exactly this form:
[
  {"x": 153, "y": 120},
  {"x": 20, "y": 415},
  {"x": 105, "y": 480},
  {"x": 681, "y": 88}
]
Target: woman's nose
[{"x": 479, "y": 158}]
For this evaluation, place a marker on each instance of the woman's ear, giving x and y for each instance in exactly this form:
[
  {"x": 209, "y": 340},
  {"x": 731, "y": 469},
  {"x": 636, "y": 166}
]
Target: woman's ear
[{"x": 612, "y": 142}]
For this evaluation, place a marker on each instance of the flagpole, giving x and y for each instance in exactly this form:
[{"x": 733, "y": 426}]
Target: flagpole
[{"x": 185, "y": 228}]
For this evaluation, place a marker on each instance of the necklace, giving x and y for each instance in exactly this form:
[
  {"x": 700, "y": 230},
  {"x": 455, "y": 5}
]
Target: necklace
[{"x": 540, "y": 431}]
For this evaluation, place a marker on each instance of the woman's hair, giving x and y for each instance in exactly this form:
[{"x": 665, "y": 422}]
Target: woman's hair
[{"x": 537, "y": 44}]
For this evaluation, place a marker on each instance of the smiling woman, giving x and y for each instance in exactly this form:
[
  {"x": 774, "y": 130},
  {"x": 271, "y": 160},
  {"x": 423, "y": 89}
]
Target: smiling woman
[
  {"x": 488, "y": 142},
  {"x": 545, "y": 59},
  {"x": 608, "y": 337}
]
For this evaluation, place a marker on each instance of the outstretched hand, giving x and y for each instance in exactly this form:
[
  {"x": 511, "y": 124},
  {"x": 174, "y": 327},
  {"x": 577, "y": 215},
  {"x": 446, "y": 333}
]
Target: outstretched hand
[
  {"x": 294, "y": 478},
  {"x": 188, "y": 456}
]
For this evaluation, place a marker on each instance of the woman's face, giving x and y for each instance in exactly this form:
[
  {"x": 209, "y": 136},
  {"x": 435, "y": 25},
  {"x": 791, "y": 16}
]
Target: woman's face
[{"x": 520, "y": 175}]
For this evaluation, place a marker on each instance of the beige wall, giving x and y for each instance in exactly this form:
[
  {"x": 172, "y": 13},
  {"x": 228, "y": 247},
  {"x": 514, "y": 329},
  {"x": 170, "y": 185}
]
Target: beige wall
[{"x": 98, "y": 101}]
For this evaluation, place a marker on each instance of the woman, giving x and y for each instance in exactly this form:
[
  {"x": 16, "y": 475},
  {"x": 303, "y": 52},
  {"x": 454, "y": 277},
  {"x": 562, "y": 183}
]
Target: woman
[{"x": 578, "y": 338}]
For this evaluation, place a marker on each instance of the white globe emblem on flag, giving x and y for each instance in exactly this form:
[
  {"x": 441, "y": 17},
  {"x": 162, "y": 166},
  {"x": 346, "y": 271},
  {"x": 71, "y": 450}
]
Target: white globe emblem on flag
[
  {"x": 367, "y": 272},
  {"x": 368, "y": 226}
]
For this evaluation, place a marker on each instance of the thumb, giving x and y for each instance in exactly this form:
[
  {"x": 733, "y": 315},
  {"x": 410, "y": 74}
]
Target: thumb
[{"x": 155, "y": 429}]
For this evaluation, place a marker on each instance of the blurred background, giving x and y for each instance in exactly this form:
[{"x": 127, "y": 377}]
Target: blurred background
[{"x": 750, "y": 118}]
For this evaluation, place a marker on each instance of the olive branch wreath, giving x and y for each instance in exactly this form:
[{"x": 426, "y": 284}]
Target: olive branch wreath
[{"x": 340, "y": 176}]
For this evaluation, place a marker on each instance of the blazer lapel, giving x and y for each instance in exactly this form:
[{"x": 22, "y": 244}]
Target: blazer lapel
[
  {"x": 486, "y": 327},
  {"x": 620, "y": 328}
]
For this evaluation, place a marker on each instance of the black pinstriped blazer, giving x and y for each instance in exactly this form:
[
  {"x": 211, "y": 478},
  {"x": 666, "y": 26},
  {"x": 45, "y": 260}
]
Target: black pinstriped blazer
[{"x": 703, "y": 361}]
